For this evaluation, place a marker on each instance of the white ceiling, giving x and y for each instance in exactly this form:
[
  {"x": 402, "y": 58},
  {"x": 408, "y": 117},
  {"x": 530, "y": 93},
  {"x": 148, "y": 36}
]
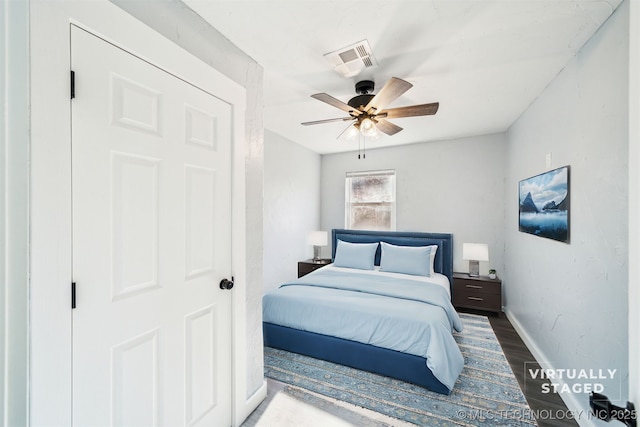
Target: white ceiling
[{"x": 485, "y": 61}]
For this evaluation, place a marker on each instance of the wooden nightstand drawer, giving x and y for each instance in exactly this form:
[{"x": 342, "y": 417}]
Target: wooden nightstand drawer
[
  {"x": 478, "y": 293},
  {"x": 478, "y": 286},
  {"x": 307, "y": 266},
  {"x": 472, "y": 299}
]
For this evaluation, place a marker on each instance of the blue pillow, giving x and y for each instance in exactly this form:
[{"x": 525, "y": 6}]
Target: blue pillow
[
  {"x": 415, "y": 260},
  {"x": 355, "y": 255}
]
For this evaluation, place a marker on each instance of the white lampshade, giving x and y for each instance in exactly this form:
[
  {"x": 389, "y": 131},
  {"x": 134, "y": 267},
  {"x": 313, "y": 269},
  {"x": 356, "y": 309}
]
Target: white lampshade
[
  {"x": 475, "y": 251},
  {"x": 317, "y": 238}
]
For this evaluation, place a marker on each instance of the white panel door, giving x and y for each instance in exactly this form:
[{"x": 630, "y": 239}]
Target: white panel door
[{"x": 151, "y": 241}]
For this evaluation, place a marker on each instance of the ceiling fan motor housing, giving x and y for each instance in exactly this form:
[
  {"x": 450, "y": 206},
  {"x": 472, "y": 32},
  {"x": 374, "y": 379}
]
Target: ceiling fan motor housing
[
  {"x": 364, "y": 88},
  {"x": 360, "y": 101}
]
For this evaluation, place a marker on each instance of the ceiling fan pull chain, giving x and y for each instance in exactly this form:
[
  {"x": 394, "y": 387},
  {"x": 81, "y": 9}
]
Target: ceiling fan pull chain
[{"x": 364, "y": 146}]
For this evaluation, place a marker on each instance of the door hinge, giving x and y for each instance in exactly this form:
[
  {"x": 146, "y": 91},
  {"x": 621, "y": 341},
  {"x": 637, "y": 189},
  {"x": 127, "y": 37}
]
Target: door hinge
[
  {"x": 73, "y": 84},
  {"x": 73, "y": 295}
]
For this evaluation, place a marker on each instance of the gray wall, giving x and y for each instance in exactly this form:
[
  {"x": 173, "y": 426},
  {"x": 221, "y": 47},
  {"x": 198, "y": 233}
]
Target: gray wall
[
  {"x": 291, "y": 206},
  {"x": 569, "y": 301},
  {"x": 454, "y": 186}
]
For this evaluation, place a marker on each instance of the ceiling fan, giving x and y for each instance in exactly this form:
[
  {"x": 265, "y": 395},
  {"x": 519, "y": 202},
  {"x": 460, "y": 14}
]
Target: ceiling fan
[{"x": 367, "y": 111}]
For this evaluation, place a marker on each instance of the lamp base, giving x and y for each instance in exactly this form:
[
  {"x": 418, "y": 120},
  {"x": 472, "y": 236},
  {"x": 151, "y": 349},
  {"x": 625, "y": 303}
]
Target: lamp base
[
  {"x": 474, "y": 268},
  {"x": 316, "y": 253}
]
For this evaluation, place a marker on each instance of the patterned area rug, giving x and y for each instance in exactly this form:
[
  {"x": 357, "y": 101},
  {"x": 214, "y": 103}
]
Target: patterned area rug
[{"x": 486, "y": 393}]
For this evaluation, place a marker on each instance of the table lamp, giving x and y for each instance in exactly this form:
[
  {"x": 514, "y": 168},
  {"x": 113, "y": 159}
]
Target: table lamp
[
  {"x": 474, "y": 253},
  {"x": 317, "y": 239}
]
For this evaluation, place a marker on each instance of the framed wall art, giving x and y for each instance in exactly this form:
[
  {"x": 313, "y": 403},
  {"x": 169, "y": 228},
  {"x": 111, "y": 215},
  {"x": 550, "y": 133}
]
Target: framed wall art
[{"x": 545, "y": 205}]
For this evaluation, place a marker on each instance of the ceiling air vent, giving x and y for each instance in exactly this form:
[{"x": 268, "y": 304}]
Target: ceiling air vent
[{"x": 351, "y": 60}]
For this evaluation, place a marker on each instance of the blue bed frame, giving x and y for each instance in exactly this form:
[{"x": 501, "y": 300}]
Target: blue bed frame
[{"x": 390, "y": 363}]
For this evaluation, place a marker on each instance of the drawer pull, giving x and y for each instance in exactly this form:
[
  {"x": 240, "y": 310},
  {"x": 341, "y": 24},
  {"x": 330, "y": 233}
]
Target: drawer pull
[
  {"x": 475, "y": 299},
  {"x": 474, "y": 286}
]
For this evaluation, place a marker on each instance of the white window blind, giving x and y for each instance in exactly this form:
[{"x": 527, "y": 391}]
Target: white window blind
[{"x": 370, "y": 200}]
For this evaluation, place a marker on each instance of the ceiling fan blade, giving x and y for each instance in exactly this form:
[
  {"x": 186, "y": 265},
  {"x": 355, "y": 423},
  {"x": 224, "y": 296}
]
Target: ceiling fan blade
[
  {"x": 326, "y": 98},
  {"x": 317, "y": 122},
  {"x": 411, "y": 111},
  {"x": 387, "y": 127},
  {"x": 389, "y": 93}
]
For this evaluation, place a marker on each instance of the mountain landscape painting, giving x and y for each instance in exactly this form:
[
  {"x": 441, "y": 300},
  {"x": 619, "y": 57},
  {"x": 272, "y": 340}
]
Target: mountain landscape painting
[{"x": 544, "y": 205}]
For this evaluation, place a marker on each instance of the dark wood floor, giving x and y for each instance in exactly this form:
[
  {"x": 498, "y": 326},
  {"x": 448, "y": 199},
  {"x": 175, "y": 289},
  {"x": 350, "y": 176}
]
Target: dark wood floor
[{"x": 550, "y": 405}]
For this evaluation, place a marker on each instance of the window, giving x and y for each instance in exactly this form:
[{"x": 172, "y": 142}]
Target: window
[{"x": 370, "y": 200}]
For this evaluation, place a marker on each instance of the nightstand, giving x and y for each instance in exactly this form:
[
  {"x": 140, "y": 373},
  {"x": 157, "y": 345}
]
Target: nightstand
[
  {"x": 307, "y": 266},
  {"x": 478, "y": 293}
]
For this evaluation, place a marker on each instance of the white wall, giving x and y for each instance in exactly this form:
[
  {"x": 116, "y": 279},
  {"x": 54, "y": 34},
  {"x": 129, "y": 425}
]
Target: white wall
[
  {"x": 14, "y": 211},
  {"x": 291, "y": 207},
  {"x": 454, "y": 186},
  {"x": 569, "y": 301}
]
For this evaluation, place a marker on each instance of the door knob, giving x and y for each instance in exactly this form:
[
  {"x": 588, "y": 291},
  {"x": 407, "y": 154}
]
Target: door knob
[{"x": 226, "y": 284}]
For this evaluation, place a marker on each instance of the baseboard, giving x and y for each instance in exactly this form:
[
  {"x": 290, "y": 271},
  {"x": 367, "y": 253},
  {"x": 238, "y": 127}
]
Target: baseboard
[
  {"x": 573, "y": 404},
  {"x": 252, "y": 403}
]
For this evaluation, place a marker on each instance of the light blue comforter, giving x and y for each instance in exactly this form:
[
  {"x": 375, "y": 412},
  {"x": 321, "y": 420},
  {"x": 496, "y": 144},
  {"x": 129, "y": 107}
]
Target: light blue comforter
[{"x": 400, "y": 314}]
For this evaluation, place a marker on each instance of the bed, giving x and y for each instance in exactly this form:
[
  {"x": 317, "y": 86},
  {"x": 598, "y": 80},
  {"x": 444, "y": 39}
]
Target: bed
[{"x": 372, "y": 310}]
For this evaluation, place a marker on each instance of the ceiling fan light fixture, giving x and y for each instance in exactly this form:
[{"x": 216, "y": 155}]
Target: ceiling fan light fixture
[
  {"x": 368, "y": 127},
  {"x": 352, "y": 132}
]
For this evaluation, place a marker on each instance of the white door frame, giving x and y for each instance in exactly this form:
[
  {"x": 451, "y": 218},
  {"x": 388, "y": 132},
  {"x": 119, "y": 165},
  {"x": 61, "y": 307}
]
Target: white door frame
[
  {"x": 634, "y": 202},
  {"x": 50, "y": 315},
  {"x": 14, "y": 210}
]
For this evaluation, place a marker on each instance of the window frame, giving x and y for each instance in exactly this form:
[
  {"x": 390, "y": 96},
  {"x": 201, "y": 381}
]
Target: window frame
[{"x": 349, "y": 204}]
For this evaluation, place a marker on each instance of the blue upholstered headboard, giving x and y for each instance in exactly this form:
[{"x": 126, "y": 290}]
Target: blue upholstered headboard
[{"x": 444, "y": 256}]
